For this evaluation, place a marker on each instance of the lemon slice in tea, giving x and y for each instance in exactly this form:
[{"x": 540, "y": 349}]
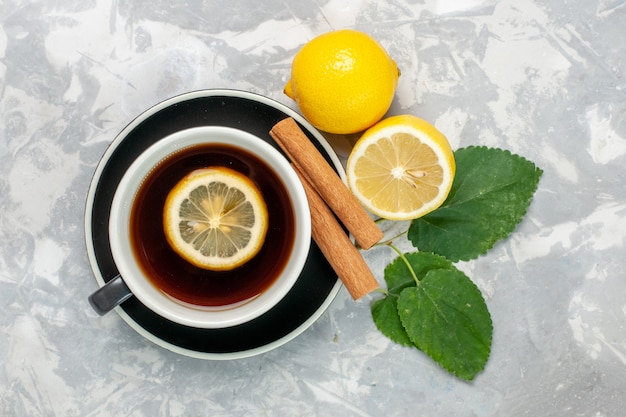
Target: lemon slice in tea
[
  {"x": 401, "y": 168},
  {"x": 215, "y": 218}
]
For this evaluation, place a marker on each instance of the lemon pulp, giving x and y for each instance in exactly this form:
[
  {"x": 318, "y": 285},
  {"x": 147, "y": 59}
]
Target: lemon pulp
[
  {"x": 215, "y": 218},
  {"x": 401, "y": 168}
]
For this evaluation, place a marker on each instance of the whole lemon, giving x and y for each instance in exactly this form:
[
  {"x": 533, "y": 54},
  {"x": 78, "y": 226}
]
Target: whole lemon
[{"x": 343, "y": 81}]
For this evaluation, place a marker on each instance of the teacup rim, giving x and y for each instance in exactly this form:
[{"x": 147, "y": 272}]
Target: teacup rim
[{"x": 165, "y": 147}]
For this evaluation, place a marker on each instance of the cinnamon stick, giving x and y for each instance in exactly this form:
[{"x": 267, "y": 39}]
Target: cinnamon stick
[
  {"x": 326, "y": 182},
  {"x": 342, "y": 255}
]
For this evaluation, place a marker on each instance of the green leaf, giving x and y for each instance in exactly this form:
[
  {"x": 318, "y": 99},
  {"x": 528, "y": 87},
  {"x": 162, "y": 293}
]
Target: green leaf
[
  {"x": 398, "y": 276},
  {"x": 386, "y": 318},
  {"x": 491, "y": 192},
  {"x": 446, "y": 317}
]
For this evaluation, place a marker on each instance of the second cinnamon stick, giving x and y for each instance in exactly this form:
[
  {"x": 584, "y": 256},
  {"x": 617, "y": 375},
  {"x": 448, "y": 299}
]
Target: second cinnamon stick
[{"x": 339, "y": 251}]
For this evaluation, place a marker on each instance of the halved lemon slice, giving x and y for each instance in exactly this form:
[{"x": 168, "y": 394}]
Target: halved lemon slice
[
  {"x": 215, "y": 218},
  {"x": 401, "y": 168}
]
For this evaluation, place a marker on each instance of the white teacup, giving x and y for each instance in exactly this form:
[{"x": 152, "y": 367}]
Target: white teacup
[{"x": 133, "y": 280}]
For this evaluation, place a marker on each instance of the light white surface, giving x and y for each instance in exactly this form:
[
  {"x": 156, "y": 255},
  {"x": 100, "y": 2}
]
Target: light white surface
[{"x": 542, "y": 79}]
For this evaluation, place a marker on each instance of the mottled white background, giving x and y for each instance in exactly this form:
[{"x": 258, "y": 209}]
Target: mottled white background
[{"x": 545, "y": 79}]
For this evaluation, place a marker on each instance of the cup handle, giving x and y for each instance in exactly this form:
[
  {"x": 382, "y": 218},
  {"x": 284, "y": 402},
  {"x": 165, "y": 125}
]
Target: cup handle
[{"x": 110, "y": 295}]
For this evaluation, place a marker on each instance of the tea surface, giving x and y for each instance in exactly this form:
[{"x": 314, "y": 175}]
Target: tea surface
[{"x": 180, "y": 279}]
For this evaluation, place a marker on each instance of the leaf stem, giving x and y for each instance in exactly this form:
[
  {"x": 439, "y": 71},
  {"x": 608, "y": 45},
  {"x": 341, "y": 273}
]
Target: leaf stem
[
  {"x": 382, "y": 291},
  {"x": 388, "y": 241},
  {"x": 406, "y": 262}
]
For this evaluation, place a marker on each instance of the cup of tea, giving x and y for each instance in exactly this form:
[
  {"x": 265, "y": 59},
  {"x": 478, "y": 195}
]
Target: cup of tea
[{"x": 152, "y": 270}]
